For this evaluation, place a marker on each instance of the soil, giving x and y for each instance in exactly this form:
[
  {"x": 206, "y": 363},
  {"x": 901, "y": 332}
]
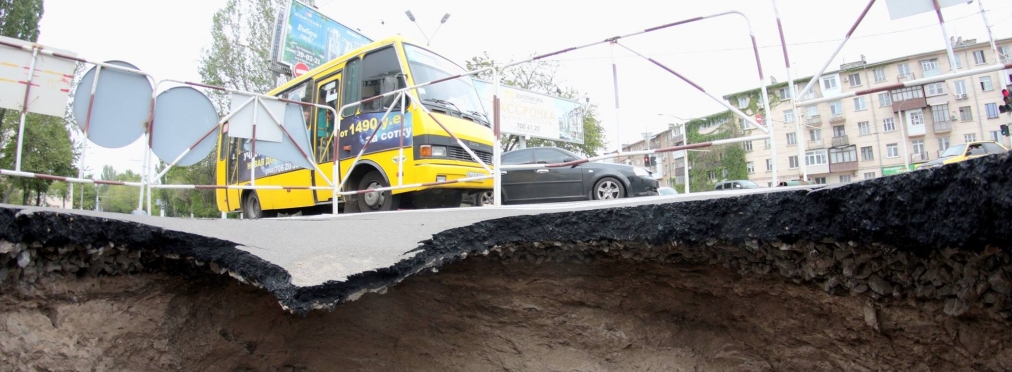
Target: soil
[{"x": 480, "y": 314}]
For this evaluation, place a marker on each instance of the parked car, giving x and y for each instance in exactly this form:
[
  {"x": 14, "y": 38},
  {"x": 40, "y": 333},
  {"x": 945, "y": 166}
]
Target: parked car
[
  {"x": 795, "y": 183},
  {"x": 578, "y": 182},
  {"x": 735, "y": 185},
  {"x": 963, "y": 152}
]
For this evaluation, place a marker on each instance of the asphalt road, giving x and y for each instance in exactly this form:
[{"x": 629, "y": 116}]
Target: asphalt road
[{"x": 316, "y": 249}]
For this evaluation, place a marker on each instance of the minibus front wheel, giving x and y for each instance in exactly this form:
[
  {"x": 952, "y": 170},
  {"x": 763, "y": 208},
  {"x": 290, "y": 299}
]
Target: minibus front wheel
[{"x": 375, "y": 201}]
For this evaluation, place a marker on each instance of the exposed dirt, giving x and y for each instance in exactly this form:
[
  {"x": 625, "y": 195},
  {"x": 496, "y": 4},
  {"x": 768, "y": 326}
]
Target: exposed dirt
[{"x": 483, "y": 315}]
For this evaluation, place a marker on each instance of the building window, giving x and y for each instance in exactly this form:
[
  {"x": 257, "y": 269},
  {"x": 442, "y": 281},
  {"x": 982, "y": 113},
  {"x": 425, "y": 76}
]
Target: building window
[
  {"x": 784, "y": 93},
  {"x": 936, "y": 89},
  {"x": 829, "y": 82},
  {"x": 892, "y": 150},
  {"x": 815, "y": 134},
  {"x": 789, "y": 116},
  {"x": 820, "y": 180},
  {"x": 769, "y": 165},
  {"x": 744, "y": 124},
  {"x": 884, "y": 100},
  {"x": 816, "y": 157},
  {"x": 742, "y": 102},
  {"x": 747, "y": 145},
  {"x": 864, "y": 128},
  {"x": 712, "y": 174},
  {"x": 888, "y": 125},
  {"x": 792, "y": 139},
  {"x": 930, "y": 67},
  {"x": 836, "y": 108},
  {"x": 904, "y": 69},
  {"x": 978, "y": 57},
  {"x": 854, "y": 79},
  {"x": 918, "y": 146},
  {"x": 985, "y": 84},
  {"x": 813, "y": 112},
  {"x": 960, "y": 88},
  {"x": 843, "y": 155},
  {"x": 844, "y": 179},
  {"x": 867, "y": 153},
  {"x": 943, "y": 144},
  {"x": 970, "y": 137},
  {"x": 869, "y": 175},
  {"x": 940, "y": 113},
  {"x": 839, "y": 131},
  {"x": 859, "y": 104},
  {"x": 991, "y": 109},
  {"x": 994, "y": 135},
  {"x": 793, "y": 160},
  {"x": 965, "y": 114},
  {"x": 907, "y": 93},
  {"x": 959, "y": 61},
  {"x": 1004, "y": 54},
  {"x": 880, "y": 75},
  {"x": 751, "y": 167},
  {"x": 768, "y": 144}
]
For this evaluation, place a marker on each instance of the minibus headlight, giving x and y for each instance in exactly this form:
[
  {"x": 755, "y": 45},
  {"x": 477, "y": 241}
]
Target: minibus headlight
[{"x": 429, "y": 151}]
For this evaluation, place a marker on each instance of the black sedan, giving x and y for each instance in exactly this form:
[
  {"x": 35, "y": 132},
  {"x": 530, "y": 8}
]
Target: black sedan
[{"x": 578, "y": 182}]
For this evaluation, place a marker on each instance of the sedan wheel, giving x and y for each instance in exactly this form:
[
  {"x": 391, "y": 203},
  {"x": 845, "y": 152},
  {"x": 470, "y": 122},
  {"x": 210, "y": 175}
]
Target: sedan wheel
[{"x": 608, "y": 188}]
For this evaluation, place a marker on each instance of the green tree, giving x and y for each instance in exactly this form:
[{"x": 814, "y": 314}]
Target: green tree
[
  {"x": 540, "y": 76},
  {"x": 721, "y": 162},
  {"x": 119, "y": 199},
  {"x": 46, "y": 149}
]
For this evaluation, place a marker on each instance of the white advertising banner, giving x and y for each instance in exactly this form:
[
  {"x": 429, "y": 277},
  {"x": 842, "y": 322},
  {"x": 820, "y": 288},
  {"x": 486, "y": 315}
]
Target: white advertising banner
[{"x": 532, "y": 114}]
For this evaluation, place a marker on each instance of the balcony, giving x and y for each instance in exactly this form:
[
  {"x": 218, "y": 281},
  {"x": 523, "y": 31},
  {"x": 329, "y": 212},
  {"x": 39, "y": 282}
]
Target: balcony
[
  {"x": 847, "y": 166},
  {"x": 840, "y": 141},
  {"x": 814, "y": 120},
  {"x": 919, "y": 157},
  {"x": 815, "y": 145},
  {"x": 838, "y": 118},
  {"x": 910, "y": 104},
  {"x": 906, "y": 76},
  {"x": 942, "y": 126}
]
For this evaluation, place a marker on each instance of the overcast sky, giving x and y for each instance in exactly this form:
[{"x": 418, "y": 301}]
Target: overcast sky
[{"x": 166, "y": 38}]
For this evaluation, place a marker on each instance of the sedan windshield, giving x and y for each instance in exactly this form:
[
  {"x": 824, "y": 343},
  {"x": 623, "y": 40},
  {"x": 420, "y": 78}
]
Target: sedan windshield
[
  {"x": 456, "y": 97},
  {"x": 954, "y": 150}
]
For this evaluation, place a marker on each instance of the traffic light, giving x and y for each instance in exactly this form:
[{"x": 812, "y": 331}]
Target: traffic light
[
  {"x": 1006, "y": 105},
  {"x": 1004, "y": 130},
  {"x": 646, "y": 160}
]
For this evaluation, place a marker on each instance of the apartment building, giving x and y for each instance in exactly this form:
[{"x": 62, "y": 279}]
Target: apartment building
[
  {"x": 668, "y": 166},
  {"x": 885, "y": 133}
]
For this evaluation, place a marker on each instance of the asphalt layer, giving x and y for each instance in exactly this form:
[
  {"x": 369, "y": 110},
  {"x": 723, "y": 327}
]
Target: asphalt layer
[{"x": 318, "y": 262}]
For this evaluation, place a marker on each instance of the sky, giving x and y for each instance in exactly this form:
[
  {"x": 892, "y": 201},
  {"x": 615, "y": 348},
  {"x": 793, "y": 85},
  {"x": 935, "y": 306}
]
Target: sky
[{"x": 166, "y": 39}]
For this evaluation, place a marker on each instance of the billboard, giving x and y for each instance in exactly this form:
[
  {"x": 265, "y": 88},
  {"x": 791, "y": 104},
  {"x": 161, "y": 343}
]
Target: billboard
[
  {"x": 527, "y": 113},
  {"x": 312, "y": 38}
]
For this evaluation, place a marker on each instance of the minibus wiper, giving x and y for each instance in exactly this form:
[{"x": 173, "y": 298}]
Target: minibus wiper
[{"x": 444, "y": 104}]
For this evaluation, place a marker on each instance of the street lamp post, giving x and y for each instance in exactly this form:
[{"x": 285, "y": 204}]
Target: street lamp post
[{"x": 427, "y": 38}]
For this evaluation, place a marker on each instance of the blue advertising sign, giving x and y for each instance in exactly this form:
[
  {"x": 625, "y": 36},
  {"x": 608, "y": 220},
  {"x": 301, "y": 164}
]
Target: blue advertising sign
[
  {"x": 355, "y": 131},
  {"x": 263, "y": 166},
  {"x": 312, "y": 38}
]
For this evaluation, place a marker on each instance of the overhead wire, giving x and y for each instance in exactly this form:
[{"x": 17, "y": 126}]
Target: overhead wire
[{"x": 789, "y": 44}]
